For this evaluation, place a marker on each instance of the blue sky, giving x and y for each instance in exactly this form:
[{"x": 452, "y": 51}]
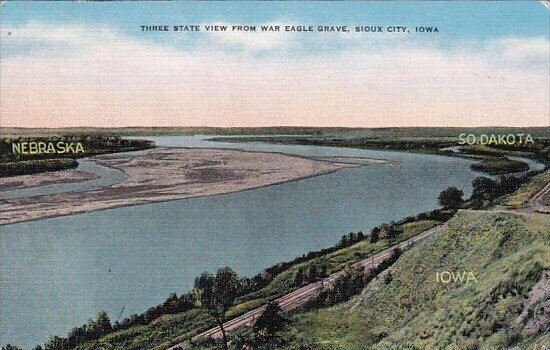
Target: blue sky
[
  {"x": 79, "y": 63},
  {"x": 476, "y": 19}
]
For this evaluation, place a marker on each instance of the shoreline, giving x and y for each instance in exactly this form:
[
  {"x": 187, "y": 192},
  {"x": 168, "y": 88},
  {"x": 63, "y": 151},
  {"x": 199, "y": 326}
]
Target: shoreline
[
  {"x": 153, "y": 190},
  {"x": 58, "y": 177},
  {"x": 177, "y": 199}
]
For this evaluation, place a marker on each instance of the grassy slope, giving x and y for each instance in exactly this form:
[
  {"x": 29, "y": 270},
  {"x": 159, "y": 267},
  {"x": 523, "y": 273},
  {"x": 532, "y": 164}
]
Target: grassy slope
[
  {"x": 336, "y": 261},
  {"x": 526, "y": 191},
  {"x": 178, "y": 327},
  {"x": 508, "y": 255}
]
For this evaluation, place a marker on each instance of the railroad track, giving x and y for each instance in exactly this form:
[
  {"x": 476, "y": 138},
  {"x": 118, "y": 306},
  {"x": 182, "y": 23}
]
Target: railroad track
[{"x": 300, "y": 296}]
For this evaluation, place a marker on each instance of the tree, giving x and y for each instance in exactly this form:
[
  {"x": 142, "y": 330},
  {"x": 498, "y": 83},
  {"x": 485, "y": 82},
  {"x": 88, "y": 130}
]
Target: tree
[
  {"x": 451, "y": 197},
  {"x": 484, "y": 188},
  {"x": 344, "y": 241},
  {"x": 360, "y": 236},
  {"x": 171, "y": 303},
  {"x": 55, "y": 343},
  {"x": 299, "y": 277},
  {"x": 312, "y": 273},
  {"x": 323, "y": 268},
  {"x": 103, "y": 324},
  {"x": 216, "y": 294},
  {"x": 387, "y": 231},
  {"x": 375, "y": 235},
  {"x": 272, "y": 320},
  {"x": 11, "y": 347}
]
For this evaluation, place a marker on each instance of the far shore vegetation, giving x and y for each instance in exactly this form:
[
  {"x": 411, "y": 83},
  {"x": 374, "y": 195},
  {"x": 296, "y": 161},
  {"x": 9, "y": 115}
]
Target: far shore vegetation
[
  {"x": 23, "y": 155},
  {"x": 376, "y": 133},
  {"x": 500, "y": 165},
  {"x": 492, "y": 159}
]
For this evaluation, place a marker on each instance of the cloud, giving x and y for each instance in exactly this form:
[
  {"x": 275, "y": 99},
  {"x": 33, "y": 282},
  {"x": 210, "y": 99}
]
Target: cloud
[
  {"x": 253, "y": 41},
  {"x": 523, "y": 50},
  {"x": 35, "y": 32},
  {"x": 75, "y": 78}
]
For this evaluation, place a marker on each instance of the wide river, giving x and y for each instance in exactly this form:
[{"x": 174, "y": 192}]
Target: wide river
[{"x": 57, "y": 273}]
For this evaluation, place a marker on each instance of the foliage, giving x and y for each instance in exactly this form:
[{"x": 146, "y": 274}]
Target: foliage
[
  {"x": 36, "y": 166},
  {"x": 13, "y": 164},
  {"x": 216, "y": 294},
  {"x": 486, "y": 190},
  {"x": 272, "y": 320},
  {"x": 451, "y": 197},
  {"x": 406, "y": 308},
  {"x": 10, "y": 347},
  {"x": 375, "y": 235},
  {"x": 350, "y": 283},
  {"x": 527, "y": 190},
  {"x": 499, "y": 165},
  {"x": 92, "y": 330}
]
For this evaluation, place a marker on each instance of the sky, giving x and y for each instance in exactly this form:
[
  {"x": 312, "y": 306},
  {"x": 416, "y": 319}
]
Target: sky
[{"x": 89, "y": 64}]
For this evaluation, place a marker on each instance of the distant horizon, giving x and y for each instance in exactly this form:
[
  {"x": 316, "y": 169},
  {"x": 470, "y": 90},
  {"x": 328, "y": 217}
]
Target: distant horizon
[{"x": 278, "y": 126}]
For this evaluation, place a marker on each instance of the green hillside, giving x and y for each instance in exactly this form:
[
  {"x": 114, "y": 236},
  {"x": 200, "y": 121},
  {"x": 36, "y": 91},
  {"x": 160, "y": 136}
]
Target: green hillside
[{"x": 405, "y": 308}]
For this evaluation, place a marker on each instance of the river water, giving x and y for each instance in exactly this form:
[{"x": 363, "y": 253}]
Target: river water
[{"x": 59, "y": 272}]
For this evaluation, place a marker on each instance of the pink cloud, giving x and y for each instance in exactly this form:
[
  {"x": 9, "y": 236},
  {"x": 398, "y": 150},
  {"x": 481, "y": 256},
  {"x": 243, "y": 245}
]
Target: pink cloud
[{"x": 114, "y": 80}]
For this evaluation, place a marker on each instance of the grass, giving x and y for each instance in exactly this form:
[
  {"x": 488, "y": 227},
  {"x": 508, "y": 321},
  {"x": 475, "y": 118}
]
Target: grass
[
  {"x": 154, "y": 335},
  {"x": 496, "y": 166},
  {"x": 493, "y": 151},
  {"x": 36, "y": 166},
  {"x": 168, "y": 329},
  {"x": 527, "y": 190},
  {"x": 404, "y": 308},
  {"x": 336, "y": 261}
]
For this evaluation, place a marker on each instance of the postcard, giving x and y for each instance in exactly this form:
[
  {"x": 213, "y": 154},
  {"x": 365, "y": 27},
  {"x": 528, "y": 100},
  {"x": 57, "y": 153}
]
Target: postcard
[{"x": 250, "y": 175}]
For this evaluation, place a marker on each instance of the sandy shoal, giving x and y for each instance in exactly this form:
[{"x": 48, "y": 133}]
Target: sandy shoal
[
  {"x": 165, "y": 174},
  {"x": 43, "y": 179}
]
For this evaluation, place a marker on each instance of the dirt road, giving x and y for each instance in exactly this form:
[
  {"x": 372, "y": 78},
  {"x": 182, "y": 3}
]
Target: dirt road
[{"x": 537, "y": 202}]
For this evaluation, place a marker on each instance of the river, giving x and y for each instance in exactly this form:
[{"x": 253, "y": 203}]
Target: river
[{"x": 59, "y": 272}]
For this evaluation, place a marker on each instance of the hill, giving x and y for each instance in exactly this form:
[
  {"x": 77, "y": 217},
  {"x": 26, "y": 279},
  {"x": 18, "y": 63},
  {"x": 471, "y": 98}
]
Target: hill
[{"x": 506, "y": 305}]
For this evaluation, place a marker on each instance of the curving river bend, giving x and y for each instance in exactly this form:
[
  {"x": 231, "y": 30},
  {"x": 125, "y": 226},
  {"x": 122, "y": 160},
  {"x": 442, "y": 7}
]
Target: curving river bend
[{"x": 59, "y": 272}]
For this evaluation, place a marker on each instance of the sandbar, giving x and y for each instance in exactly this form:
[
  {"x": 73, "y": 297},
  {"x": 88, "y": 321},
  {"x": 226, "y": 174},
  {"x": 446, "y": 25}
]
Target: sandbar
[
  {"x": 44, "y": 179},
  {"x": 165, "y": 174}
]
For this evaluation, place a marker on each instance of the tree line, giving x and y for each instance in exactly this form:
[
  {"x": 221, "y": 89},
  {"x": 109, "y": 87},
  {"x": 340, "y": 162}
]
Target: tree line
[{"x": 350, "y": 283}]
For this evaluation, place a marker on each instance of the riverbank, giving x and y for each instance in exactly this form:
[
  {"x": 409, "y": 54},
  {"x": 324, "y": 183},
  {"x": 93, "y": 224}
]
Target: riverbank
[
  {"x": 166, "y": 174},
  {"x": 27, "y": 155},
  {"x": 45, "y": 179},
  {"x": 495, "y": 160}
]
